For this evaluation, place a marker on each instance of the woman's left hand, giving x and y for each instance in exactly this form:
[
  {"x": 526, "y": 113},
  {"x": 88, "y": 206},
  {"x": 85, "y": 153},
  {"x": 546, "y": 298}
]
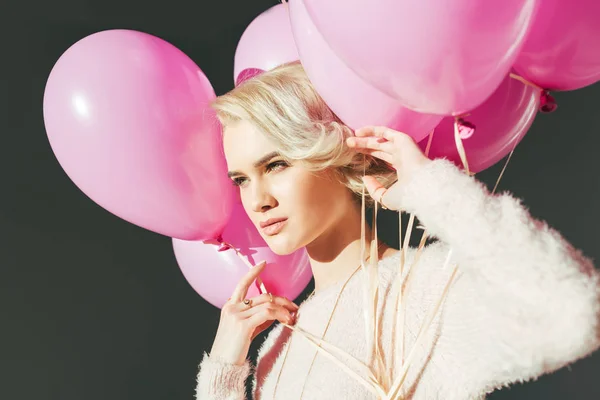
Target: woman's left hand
[{"x": 397, "y": 149}]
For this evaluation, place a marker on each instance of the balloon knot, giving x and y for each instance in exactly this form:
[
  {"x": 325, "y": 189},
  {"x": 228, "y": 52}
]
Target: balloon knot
[
  {"x": 223, "y": 246},
  {"x": 246, "y": 74},
  {"x": 465, "y": 128},
  {"x": 547, "y": 102}
]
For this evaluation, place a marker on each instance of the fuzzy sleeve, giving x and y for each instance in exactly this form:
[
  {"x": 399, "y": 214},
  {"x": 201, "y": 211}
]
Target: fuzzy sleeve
[
  {"x": 525, "y": 302},
  {"x": 218, "y": 380}
]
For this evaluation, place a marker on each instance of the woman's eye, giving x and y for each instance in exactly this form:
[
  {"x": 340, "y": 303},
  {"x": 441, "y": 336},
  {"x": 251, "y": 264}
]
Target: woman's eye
[
  {"x": 277, "y": 165},
  {"x": 238, "y": 181},
  {"x": 274, "y": 166}
]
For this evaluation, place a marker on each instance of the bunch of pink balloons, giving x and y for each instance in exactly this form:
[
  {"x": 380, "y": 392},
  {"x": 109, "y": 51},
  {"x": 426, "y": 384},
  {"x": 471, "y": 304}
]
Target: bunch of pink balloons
[
  {"x": 405, "y": 63},
  {"x": 128, "y": 117}
]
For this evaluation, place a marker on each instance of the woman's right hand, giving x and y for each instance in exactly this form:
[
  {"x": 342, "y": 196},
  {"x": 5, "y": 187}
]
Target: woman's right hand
[{"x": 240, "y": 324}]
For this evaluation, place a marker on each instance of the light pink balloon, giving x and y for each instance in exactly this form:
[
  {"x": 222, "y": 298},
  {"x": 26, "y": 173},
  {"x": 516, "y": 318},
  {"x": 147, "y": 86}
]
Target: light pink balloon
[
  {"x": 500, "y": 124},
  {"x": 562, "y": 50},
  {"x": 434, "y": 56},
  {"x": 127, "y": 115},
  {"x": 214, "y": 275},
  {"x": 356, "y": 102},
  {"x": 266, "y": 43}
]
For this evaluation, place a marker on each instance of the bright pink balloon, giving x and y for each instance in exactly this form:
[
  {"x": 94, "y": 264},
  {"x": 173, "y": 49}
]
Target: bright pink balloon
[
  {"x": 562, "y": 50},
  {"x": 356, "y": 102},
  {"x": 434, "y": 56},
  {"x": 127, "y": 115},
  {"x": 214, "y": 274},
  {"x": 500, "y": 124},
  {"x": 266, "y": 43}
]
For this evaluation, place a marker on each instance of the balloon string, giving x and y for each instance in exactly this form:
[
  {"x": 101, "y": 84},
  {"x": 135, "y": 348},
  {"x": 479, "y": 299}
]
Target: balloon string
[
  {"x": 504, "y": 168},
  {"x": 261, "y": 284},
  {"x": 524, "y": 81},
  {"x": 363, "y": 235},
  {"x": 460, "y": 147},
  {"x": 328, "y": 350},
  {"x": 429, "y": 140},
  {"x": 380, "y": 369}
]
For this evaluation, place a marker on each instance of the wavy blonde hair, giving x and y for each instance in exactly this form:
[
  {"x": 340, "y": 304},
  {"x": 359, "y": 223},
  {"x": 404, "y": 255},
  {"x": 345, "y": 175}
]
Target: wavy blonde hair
[{"x": 284, "y": 105}]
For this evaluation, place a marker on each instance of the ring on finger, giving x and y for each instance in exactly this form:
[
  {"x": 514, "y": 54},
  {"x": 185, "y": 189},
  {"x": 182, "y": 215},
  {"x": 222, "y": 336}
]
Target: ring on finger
[
  {"x": 270, "y": 297},
  {"x": 248, "y": 302}
]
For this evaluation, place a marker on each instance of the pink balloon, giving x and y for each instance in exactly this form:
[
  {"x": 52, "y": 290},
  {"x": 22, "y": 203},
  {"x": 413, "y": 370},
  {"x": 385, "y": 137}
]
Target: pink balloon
[
  {"x": 127, "y": 115},
  {"x": 562, "y": 50},
  {"x": 214, "y": 274},
  {"x": 356, "y": 102},
  {"x": 500, "y": 124},
  {"x": 441, "y": 57},
  {"x": 266, "y": 43}
]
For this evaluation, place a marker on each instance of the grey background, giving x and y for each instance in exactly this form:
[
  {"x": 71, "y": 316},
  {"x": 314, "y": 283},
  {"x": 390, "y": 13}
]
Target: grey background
[{"x": 93, "y": 307}]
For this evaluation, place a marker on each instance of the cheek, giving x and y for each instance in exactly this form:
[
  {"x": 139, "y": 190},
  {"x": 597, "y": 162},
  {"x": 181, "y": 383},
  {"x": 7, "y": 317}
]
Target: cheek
[
  {"x": 310, "y": 194},
  {"x": 246, "y": 200}
]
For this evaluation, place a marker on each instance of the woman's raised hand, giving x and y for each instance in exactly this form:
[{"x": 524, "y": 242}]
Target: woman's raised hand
[{"x": 397, "y": 149}]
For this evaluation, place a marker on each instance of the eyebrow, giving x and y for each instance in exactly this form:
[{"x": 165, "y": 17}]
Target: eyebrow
[{"x": 257, "y": 164}]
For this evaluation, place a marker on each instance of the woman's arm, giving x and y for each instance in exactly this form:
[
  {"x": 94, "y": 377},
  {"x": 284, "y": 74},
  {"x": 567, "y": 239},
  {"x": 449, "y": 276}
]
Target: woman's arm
[
  {"x": 524, "y": 303},
  {"x": 218, "y": 380}
]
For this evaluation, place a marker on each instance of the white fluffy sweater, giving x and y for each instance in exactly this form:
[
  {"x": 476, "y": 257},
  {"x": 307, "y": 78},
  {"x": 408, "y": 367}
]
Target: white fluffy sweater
[{"x": 524, "y": 303}]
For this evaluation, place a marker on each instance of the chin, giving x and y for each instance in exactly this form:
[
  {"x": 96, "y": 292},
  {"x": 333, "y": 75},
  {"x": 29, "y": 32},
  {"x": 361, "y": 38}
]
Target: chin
[{"x": 281, "y": 245}]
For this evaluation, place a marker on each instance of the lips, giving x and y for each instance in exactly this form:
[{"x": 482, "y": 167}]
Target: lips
[{"x": 273, "y": 226}]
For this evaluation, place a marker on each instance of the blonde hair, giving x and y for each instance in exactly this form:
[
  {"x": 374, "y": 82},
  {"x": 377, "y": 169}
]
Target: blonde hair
[{"x": 283, "y": 104}]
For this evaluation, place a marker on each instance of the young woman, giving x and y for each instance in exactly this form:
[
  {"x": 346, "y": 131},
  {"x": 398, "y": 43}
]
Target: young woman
[{"x": 523, "y": 301}]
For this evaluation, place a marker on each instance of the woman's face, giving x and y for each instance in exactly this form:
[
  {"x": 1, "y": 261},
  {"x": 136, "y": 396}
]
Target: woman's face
[{"x": 289, "y": 205}]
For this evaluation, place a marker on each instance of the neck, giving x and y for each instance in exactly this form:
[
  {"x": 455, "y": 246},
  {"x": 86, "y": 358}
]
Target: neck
[{"x": 335, "y": 254}]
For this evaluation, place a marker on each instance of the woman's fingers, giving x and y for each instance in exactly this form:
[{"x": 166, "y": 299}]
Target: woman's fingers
[
  {"x": 264, "y": 301},
  {"x": 281, "y": 309},
  {"x": 268, "y": 311},
  {"x": 241, "y": 290},
  {"x": 371, "y": 142},
  {"x": 377, "y": 131}
]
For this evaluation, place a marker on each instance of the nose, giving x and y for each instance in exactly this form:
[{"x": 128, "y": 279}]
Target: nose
[{"x": 262, "y": 199}]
